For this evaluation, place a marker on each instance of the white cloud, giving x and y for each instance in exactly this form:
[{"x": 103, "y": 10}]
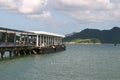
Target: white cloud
[
  {"x": 88, "y": 4},
  {"x": 31, "y": 8},
  {"x": 89, "y": 10},
  {"x": 7, "y": 4},
  {"x": 81, "y": 10},
  {"x": 95, "y": 16}
]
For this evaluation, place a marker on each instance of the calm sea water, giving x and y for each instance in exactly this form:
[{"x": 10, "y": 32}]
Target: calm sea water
[{"x": 78, "y": 62}]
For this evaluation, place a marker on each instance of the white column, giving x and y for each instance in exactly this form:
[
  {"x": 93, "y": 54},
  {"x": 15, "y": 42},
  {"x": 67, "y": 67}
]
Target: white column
[
  {"x": 40, "y": 40},
  {"x": 46, "y": 41},
  {"x": 37, "y": 40},
  {"x": 14, "y": 38},
  {"x": 49, "y": 40},
  {"x": 52, "y": 40},
  {"x": 43, "y": 43}
]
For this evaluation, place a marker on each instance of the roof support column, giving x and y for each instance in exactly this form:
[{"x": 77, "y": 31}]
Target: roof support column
[
  {"x": 55, "y": 41},
  {"x": 37, "y": 40},
  {"x": 50, "y": 41},
  {"x": 40, "y": 41},
  {"x": 46, "y": 40},
  {"x": 43, "y": 42}
]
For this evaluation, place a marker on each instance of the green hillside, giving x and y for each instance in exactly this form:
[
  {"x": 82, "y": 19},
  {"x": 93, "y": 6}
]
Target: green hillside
[{"x": 103, "y": 36}]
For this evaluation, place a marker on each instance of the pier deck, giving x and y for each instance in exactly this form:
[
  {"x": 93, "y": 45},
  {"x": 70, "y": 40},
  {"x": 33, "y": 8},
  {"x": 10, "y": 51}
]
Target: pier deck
[{"x": 18, "y": 42}]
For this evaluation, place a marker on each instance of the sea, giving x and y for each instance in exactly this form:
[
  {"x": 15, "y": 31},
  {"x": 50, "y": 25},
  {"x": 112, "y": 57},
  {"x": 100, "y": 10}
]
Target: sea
[{"x": 77, "y": 62}]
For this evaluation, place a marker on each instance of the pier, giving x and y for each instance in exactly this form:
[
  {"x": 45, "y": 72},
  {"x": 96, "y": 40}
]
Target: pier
[{"x": 19, "y": 42}]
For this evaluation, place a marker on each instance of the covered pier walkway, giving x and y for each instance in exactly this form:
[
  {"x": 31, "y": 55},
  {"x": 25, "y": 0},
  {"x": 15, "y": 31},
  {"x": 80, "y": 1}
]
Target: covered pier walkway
[{"x": 19, "y": 42}]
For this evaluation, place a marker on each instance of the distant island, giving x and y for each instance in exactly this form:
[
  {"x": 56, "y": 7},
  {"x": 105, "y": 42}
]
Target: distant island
[{"x": 88, "y": 36}]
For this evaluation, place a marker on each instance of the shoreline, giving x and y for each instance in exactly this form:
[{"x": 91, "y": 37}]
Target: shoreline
[
  {"x": 89, "y": 43},
  {"x": 79, "y": 43}
]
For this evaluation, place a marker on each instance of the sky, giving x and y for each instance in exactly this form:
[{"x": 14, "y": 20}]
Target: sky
[{"x": 59, "y": 16}]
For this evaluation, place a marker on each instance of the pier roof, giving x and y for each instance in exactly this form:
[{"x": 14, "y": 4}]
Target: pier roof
[
  {"x": 48, "y": 33},
  {"x": 2, "y": 29}
]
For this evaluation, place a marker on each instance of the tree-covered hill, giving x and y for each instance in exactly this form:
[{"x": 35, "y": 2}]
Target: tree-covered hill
[{"x": 104, "y": 36}]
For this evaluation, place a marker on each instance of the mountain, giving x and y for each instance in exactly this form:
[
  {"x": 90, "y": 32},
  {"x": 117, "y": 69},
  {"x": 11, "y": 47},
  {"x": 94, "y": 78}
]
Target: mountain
[
  {"x": 105, "y": 36},
  {"x": 70, "y": 34}
]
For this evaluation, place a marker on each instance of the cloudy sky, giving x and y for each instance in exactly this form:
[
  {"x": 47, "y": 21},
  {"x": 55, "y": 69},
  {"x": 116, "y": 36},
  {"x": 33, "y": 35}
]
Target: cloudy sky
[{"x": 59, "y": 16}]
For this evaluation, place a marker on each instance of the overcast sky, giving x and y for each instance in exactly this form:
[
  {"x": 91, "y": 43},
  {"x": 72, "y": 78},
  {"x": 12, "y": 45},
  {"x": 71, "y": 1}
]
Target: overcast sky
[{"x": 59, "y": 16}]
